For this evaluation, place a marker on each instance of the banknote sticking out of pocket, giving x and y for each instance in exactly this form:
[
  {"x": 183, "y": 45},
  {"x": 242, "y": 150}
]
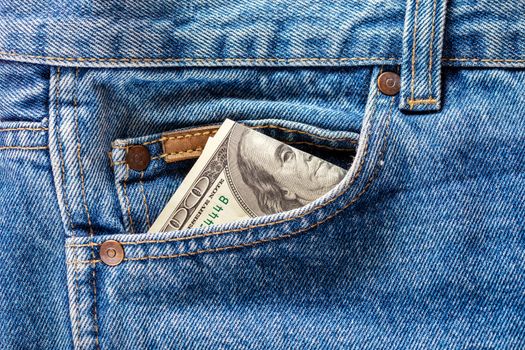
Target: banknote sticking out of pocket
[{"x": 243, "y": 173}]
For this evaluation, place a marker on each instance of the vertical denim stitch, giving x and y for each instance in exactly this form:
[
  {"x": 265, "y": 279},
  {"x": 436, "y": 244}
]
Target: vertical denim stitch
[
  {"x": 86, "y": 208},
  {"x": 79, "y": 158},
  {"x": 144, "y": 199},
  {"x": 414, "y": 39},
  {"x": 430, "y": 49},
  {"x": 125, "y": 188},
  {"x": 117, "y": 154},
  {"x": 422, "y": 43},
  {"x": 60, "y": 153},
  {"x": 76, "y": 336}
]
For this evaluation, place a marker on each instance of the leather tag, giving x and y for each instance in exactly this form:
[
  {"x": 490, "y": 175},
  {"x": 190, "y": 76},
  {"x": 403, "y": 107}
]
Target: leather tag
[{"x": 186, "y": 144}]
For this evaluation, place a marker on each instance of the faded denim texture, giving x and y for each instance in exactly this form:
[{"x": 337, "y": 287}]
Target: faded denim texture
[{"x": 420, "y": 246}]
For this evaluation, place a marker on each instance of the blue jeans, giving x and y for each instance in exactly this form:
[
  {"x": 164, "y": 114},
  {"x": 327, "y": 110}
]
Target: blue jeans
[{"x": 421, "y": 245}]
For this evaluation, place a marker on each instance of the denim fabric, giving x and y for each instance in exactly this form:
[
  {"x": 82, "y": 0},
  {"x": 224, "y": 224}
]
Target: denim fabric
[
  {"x": 421, "y": 245},
  {"x": 252, "y": 32},
  {"x": 33, "y": 302}
]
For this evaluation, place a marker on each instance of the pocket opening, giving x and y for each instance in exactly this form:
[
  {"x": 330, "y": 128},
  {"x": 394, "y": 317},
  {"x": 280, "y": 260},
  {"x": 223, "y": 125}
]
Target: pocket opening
[{"x": 143, "y": 194}]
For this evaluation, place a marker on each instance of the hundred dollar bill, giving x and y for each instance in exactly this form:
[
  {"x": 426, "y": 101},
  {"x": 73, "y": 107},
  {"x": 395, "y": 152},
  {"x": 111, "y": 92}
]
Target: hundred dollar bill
[{"x": 242, "y": 173}]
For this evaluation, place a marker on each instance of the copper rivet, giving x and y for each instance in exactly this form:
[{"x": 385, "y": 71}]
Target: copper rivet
[
  {"x": 389, "y": 83},
  {"x": 138, "y": 157},
  {"x": 111, "y": 253}
]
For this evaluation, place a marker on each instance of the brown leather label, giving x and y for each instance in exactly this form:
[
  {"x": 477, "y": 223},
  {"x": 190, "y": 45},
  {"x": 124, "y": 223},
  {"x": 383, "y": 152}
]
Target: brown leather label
[{"x": 186, "y": 144}]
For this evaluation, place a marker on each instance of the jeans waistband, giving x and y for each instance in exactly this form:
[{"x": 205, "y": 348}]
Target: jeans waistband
[{"x": 114, "y": 33}]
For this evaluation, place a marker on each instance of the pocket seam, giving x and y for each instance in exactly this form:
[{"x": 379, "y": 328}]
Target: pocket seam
[
  {"x": 200, "y": 149},
  {"x": 144, "y": 199},
  {"x": 24, "y": 129},
  {"x": 171, "y": 138},
  {"x": 128, "y": 202},
  {"x": 27, "y": 148},
  {"x": 23, "y": 137},
  {"x": 268, "y": 126}
]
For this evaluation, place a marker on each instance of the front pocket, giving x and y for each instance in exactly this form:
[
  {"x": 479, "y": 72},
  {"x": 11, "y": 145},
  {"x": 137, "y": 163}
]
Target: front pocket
[
  {"x": 181, "y": 279},
  {"x": 143, "y": 193}
]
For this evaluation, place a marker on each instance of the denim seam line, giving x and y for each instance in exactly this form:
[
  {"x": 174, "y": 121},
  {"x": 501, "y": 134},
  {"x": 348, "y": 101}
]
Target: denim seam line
[
  {"x": 268, "y": 126},
  {"x": 374, "y": 175},
  {"x": 77, "y": 300},
  {"x": 431, "y": 49},
  {"x": 76, "y": 337},
  {"x": 123, "y": 199},
  {"x": 86, "y": 208},
  {"x": 27, "y": 148},
  {"x": 144, "y": 199},
  {"x": 475, "y": 59},
  {"x": 174, "y": 138},
  {"x": 164, "y": 155},
  {"x": 368, "y": 184},
  {"x": 23, "y": 146},
  {"x": 414, "y": 39},
  {"x": 60, "y": 146},
  {"x": 23, "y": 129},
  {"x": 128, "y": 202},
  {"x": 188, "y": 59},
  {"x": 423, "y": 101},
  {"x": 292, "y": 59}
]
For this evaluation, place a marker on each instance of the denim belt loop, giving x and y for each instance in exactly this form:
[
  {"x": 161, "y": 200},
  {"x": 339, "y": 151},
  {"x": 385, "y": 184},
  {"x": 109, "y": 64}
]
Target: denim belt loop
[{"x": 422, "y": 53}]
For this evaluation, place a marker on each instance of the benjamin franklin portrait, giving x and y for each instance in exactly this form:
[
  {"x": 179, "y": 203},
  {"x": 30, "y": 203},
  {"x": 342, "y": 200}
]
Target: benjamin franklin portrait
[{"x": 280, "y": 176}]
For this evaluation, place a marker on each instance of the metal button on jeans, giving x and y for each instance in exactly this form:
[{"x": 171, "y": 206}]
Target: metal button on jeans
[
  {"x": 111, "y": 253},
  {"x": 389, "y": 83},
  {"x": 138, "y": 157}
]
